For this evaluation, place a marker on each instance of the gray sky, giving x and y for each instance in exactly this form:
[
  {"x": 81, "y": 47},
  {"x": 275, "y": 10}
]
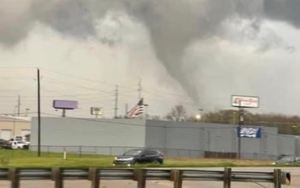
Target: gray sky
[{"x": 193, "y": 52}]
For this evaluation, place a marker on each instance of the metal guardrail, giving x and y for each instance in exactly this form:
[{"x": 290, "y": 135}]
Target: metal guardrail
[{"x": 95, "y": 175}]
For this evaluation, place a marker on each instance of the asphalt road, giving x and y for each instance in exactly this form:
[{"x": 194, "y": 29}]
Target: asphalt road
[{"x": 295, "y": 173}]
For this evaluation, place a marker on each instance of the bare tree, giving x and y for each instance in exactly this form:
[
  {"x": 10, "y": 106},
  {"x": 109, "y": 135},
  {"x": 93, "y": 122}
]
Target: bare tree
[{"x": 177, "y": 113}]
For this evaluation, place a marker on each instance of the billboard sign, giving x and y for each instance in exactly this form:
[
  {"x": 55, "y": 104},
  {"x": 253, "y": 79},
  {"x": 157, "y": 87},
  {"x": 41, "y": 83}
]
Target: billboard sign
[
  {"x": 249, "y": 132},
  {"x": 65, "y": 104},
  {"x": 244, "y": 101}
]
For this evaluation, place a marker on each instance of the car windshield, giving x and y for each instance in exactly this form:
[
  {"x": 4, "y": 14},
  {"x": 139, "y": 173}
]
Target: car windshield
[{"x": 132, "y": 152}]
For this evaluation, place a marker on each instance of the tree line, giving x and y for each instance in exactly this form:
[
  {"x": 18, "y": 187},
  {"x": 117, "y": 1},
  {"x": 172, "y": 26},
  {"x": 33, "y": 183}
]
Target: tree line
[{"x": 286, "y": 124}]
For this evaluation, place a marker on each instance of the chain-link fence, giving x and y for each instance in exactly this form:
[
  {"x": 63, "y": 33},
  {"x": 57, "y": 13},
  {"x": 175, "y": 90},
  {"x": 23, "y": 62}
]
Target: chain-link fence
[{"x": 168, "y": 152}]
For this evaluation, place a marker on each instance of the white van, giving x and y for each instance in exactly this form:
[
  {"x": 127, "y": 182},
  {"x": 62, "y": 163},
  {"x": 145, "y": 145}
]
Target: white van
[
  {"x": 18, "y": 145},
  {"x": 19, "y": 142}
]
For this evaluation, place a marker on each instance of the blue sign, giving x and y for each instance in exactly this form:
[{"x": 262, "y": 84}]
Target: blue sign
[{"x": 249, "y": 132}]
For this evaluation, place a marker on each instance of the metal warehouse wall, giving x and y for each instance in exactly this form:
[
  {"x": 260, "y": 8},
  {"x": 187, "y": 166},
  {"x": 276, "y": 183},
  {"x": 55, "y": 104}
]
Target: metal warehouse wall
[
  {"x": 193, "y": 139},
  {"x": 261, "y": 148},
  {"x": 286, "y": 144},
  {"x": 89, "y": 132},
  {"x": 175, "y": 138},
  {"x": 297, "y": 152},
  {"x": 186, "y": 139}
]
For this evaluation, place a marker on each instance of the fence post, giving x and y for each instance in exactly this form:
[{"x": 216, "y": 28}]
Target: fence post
[
  {"x": 277, "y": 178},
  {"x": 177, "y": 178},
  {"x": 227, "y": 178},
  {"x": 94, "y": 177},
  {"x": 57, "y": 177},
  {"x": 13, "y": 176},
  {"x": 140, "y": 177}
]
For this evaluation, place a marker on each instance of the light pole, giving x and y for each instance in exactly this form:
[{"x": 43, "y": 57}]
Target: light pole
[{"x": 199, "y": 115}]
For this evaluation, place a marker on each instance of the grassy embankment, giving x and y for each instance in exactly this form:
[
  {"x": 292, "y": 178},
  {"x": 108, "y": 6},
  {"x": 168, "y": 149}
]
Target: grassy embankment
[{"x": 24, "y": 158}]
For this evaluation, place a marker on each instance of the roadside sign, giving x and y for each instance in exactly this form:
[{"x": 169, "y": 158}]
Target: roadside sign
[
  {"x": 244, "y": 101},
  {"x": 96, "y": 111}
]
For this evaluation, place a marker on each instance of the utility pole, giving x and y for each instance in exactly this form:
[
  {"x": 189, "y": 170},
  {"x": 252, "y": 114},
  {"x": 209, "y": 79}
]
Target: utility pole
[
  {"x": 19, "y": 105},
  {"x": 116, "y": 102},
  {"x": 39, "y": 111}
]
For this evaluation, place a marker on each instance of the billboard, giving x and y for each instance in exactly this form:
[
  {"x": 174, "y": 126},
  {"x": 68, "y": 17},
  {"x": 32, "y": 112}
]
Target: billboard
[
  {"x": 65, "y": 104},
  {"x": 249, "y": 132},
  {"x": 244, "y": 101}
]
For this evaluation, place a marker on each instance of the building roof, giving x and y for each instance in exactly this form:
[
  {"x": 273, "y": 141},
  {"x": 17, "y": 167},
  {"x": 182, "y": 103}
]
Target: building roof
[{"x": 14, "y": 118}]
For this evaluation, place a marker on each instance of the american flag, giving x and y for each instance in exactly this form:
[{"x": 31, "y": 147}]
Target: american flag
[{"x": 137, "y": 110}]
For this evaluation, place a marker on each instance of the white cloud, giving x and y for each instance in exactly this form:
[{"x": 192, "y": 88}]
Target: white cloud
[{"x": 233, "y": 64}]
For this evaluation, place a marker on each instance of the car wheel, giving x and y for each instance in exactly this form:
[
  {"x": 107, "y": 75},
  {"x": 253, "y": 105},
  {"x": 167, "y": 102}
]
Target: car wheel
[
  {"x": 131, "y": 163},
  {"x": 157, "y": 162}
]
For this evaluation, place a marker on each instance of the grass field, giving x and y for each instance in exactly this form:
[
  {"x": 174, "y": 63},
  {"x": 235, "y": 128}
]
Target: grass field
[{"x": 25, "y": 158}]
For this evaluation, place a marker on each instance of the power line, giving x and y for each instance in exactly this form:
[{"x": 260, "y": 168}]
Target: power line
[
  {"x": 78, "y": 77},
  {"x": 140, "y": 89}
]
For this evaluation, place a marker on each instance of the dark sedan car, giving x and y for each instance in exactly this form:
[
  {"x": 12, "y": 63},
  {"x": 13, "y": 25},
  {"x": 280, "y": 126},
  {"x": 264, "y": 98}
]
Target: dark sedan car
[
  {"x": 134, "y": 156},
  {"x": 5, "y": 144}
]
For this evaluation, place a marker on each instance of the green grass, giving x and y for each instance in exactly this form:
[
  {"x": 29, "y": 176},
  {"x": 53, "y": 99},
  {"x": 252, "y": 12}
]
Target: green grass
[
  {"x": 205, "y": 162},
  {"x": 25, "y": 158}
]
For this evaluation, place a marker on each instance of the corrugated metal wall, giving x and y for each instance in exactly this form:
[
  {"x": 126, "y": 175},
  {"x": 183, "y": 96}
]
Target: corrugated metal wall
[
  {"x": 113, "y": 136},
  {"x": 89, "y": 132},
  {"x": 181, "y": 136}
]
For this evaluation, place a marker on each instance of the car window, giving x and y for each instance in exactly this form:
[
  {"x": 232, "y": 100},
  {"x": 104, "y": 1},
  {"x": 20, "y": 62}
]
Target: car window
[
  {"x": 150, "y": 152},
  {"x": 132, "y": 152}
]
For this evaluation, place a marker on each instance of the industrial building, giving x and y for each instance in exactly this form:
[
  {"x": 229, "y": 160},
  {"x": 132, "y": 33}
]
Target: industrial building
[
  {"x": 11, "y": 126},
  {"x": 181, "y": 139}
]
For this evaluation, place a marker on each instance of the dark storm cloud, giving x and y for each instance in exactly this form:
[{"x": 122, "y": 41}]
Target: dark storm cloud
[
  {"x": 68, "y": 17},
  {"x": 284, "y": 10},
  {"x": 173, "y": 25}
]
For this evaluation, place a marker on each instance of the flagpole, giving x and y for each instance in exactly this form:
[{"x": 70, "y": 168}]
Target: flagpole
[
  {"x": 137, "y": 110},
  {"x": 146, "y": 111}
]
